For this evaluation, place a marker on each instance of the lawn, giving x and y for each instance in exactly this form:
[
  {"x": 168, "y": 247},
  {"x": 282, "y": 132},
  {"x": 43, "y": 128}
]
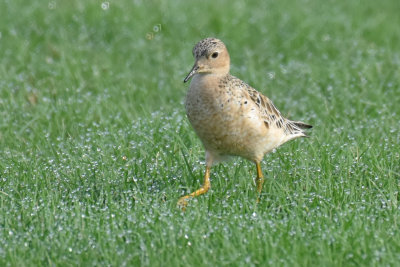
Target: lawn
[{"x": 96, "y": 149}]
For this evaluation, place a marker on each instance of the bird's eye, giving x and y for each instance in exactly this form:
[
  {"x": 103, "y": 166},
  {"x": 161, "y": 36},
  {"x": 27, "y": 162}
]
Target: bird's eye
[{"x": 214, "y": 55}]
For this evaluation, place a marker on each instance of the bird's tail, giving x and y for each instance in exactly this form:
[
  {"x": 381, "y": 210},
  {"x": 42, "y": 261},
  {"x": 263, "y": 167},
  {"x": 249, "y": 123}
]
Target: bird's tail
[
  {"x": 295, "y": 129},
  {"x": 302, "y": 125}
]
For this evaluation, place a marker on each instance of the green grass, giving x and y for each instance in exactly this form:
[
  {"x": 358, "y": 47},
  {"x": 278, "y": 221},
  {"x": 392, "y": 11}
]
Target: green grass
[{"x": 95, "y": 147}]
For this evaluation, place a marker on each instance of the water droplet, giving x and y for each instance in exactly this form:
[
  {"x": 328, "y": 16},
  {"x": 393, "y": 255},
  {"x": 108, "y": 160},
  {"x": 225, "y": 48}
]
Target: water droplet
[
  {"x": 105, "y": 5},
  {"x": 157, "y": 28},
  {"x": 52, "y": 5},
  {"x": 326, "y": 37},
  {"x": 271, "y": 75},
  {"x": 149, "y": 36}
]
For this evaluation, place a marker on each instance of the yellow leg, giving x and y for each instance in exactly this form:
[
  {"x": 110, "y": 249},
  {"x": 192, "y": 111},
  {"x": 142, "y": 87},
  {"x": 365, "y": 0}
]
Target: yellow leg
[
  {"x": 183, "y": 201},
  {"x": 259, "y": 180}
]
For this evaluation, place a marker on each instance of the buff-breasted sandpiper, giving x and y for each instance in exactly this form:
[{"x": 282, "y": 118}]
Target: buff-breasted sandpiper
[{"x": 230, "y": 117}]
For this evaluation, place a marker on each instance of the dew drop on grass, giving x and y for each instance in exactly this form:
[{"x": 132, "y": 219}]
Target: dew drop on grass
[
  {"x": 271, "y": 75},
  {"x": 52, "y": 5},
  {"x": 156, "y": 28},
  {"x": 105, "y": 5}
]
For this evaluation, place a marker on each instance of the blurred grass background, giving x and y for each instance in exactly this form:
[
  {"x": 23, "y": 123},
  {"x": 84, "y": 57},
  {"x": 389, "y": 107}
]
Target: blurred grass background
[{"x": 95, "y": 148}]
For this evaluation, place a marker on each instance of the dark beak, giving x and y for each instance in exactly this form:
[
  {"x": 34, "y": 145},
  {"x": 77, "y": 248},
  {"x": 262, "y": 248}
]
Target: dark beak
[{"x": 192, "y": 72}]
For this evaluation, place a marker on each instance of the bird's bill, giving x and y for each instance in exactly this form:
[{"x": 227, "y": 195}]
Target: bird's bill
[{"x": 192, "y": 72}]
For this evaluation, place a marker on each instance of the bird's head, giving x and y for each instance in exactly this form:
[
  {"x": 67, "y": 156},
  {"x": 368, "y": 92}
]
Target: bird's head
[{"x": 211, "y": 56}]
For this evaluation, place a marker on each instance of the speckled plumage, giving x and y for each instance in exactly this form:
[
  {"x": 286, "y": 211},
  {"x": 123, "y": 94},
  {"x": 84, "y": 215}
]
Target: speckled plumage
[
  {"x": 230, "y": 117},
  {"x": 206, "y": 45}
]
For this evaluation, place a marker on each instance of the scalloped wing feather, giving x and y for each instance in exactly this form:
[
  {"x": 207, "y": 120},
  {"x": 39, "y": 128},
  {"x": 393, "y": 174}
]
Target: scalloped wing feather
[{"x": 272, "y": 117}]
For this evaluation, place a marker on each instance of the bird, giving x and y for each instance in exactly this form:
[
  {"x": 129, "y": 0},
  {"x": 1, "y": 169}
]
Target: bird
[{"x": 229, "y": 116}]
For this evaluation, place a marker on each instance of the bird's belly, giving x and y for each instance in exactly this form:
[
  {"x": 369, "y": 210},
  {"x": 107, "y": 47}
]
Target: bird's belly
[{"x": 231, "y": 130}]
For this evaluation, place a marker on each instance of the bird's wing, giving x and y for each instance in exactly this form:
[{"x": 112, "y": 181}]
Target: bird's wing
[{"x": 271, "y": 115}]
